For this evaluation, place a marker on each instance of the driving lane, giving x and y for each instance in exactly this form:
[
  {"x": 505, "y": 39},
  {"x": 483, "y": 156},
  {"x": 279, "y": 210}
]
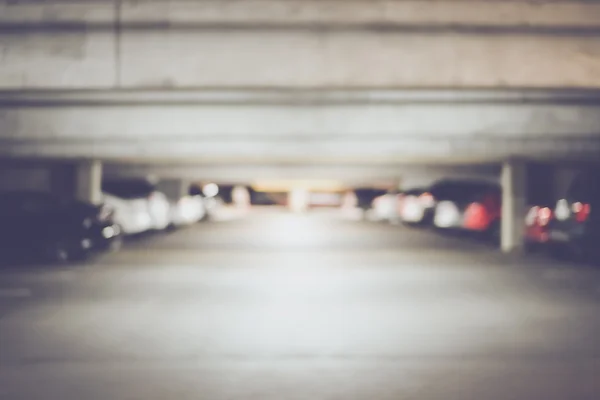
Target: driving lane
[{"x": 282, "y": 306}]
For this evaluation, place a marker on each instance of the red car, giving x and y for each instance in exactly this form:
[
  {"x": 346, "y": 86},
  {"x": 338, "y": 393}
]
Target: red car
[
  {"x": 537, "y": 224},
  {"x": 483, "y": 215}
]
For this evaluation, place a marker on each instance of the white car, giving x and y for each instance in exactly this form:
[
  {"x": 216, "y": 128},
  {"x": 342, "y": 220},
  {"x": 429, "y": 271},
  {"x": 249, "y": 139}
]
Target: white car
[
  {"x": 132, "y": 215},
  {"x": 414, "y": 206},
  {"x": 187, "y": 210},
  {"x": 384, "y": 208},
  {"x": 138, "y": 206},
  {"x": 159, "y": 209},
  {"x": 447, "y": 215}
]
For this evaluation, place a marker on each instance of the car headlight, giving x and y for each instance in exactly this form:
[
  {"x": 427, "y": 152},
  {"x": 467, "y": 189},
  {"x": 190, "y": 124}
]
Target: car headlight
[{"x": 105, "y": 213}]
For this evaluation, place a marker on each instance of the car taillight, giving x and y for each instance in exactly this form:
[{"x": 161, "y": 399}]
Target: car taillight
[
  {"x": 532, "y": 216},
  {"x": 581, "y": 211},
  {"x": 426, "y": 199},
  {"x": 544, "y": 216},
  {"x": 476, "y": 217}
]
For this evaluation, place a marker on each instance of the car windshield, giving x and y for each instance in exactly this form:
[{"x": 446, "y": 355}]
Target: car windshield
[
  {"x": 459, "y": 191},
  {"x": 413, "y": 192},
  {"x": 128, "y": 189}
]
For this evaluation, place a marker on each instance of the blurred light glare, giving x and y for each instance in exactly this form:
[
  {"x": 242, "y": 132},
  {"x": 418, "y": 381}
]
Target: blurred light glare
[
  {"x": 210, "y": 190},
  {"x": 108, "y": 232}
]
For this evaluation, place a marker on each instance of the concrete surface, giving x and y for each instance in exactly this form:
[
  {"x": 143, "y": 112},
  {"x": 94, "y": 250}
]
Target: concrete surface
[
  {"x": 281, "y": 306},
  {"x": 67, "y": 13},
  {"x": 298, "y": 43},
  {"x": 338, "y": 126}
]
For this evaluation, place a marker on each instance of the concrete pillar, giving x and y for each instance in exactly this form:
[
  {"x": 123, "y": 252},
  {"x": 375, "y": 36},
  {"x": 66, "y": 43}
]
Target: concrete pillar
[
  {"x": 514, "y": 199},
  {"x": 88, "y": 181},
  {"x": 174, "y": 189},
  {"x": 298, "y": 200},
  {"x": 241, "y": 197}
]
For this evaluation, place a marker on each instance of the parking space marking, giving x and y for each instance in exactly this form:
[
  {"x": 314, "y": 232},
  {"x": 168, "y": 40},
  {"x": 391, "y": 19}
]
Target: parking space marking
[{"x": 15, "y": 292}]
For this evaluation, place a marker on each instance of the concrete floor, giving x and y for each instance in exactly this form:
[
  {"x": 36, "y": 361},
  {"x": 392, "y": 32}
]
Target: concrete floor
[{"x": 277, "y": 306}]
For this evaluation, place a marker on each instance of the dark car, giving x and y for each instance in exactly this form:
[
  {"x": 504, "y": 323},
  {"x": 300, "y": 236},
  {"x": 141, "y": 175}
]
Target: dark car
[
  {"x": 365, "y": 197},
  {"x": 39, "y": 227},
  {"x": 575, "y": 229}
]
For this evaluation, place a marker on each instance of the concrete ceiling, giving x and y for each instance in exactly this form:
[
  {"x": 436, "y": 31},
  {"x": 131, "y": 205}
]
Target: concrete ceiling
[{"x": 384, "y": 175}]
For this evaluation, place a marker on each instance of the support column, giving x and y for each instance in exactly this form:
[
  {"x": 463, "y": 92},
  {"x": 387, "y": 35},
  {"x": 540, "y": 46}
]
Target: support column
[
  {"x": 514, "y": 199},
  {"x": 298, "y": 200},
  {"x": 241, "y": 198},
  {"x": 88, "y": 181}
]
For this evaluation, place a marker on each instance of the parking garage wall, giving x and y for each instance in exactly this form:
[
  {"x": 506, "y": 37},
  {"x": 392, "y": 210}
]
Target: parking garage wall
[{"x": 58, "y": 179}]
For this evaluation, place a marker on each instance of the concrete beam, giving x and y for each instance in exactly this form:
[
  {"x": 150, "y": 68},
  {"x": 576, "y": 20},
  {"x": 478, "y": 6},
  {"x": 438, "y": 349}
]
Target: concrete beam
[
  {"x": 298, "y": 115},
  {"x": 340, "y": 126},
  {"x": 309, "y": 59},
  {"x": 56, "y": 12},
  {"x": 340, "y": 150},
  {"x": 391, "y": 12},
  {"x": 382, "y": 44},
  {"x": 57, "y": 60},
  {"x": 280, "y": 96},
  {"x": 571, "y": 13},
  {"x": 350, "y": 174}
]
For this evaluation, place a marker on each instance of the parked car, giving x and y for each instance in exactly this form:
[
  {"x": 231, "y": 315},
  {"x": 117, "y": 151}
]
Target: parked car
[
  {"x": 365, "y": 197},
  {"x": 39, "y": 227},
  {"x": 468, "y": 205},
  {"x": 138, "y": 206},
  {"x": 131, "y": 215},
  {"x": 575, "y": 229},
  {"x": 212, "y": 206},
  {"x": 384, "y": 207},
  {"x": 537, "y": 225},
  {"x": 187, "y": 210},
  {"x": 413, "y": 206},
  {"x": 160, "y": 210},
  {"x": 484, "y": 210}
]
